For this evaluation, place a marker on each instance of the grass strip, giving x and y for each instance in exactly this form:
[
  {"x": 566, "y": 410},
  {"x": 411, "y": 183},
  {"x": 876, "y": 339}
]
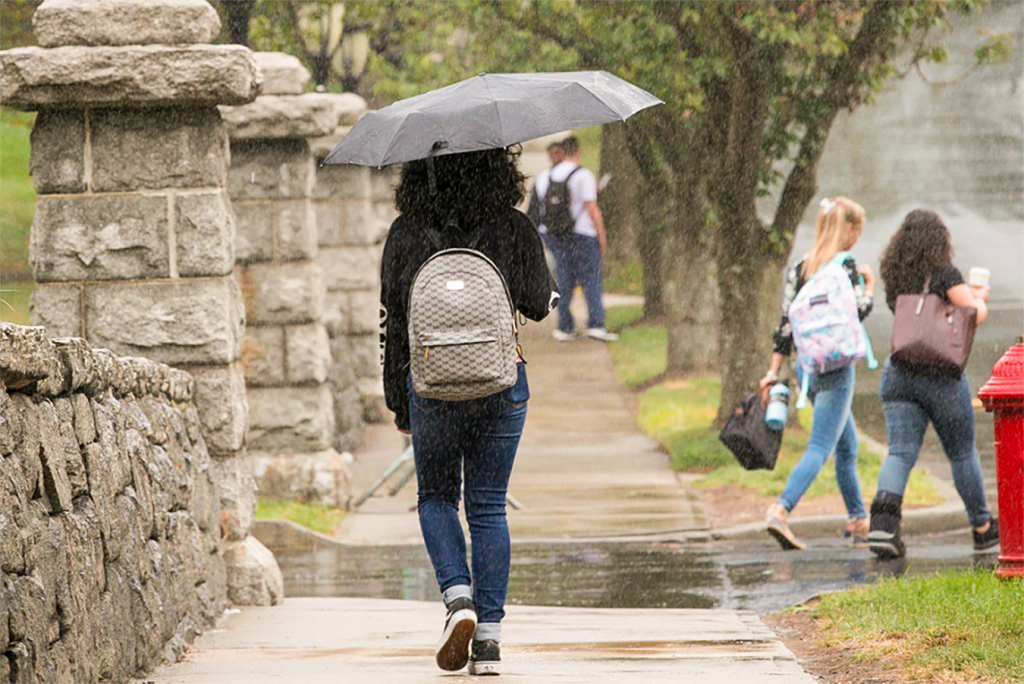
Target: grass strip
[
  {"x": 316, "y": 517},
  {"x": 679, "y": 412},
  {"x": 17, "y": 194},
  {"x": 953, "y": 627}
]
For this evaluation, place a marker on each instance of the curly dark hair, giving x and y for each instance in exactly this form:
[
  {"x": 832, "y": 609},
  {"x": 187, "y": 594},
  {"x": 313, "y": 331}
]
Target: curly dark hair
[
  {"x": 473, "y": 187},
  {"x": 920, "y": 246}
]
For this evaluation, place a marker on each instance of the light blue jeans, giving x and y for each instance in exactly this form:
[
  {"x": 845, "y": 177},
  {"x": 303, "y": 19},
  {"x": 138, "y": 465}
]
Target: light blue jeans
[
  {"x": 833, "y": 430},
  {"x": 479, "y": 439},
  {"x": 910, "y": 401}
]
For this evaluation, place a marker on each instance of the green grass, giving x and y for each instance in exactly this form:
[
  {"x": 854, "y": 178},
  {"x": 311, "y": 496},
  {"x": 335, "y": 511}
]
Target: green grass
[
  {"x": 625, "y": 278},
  {"x": 14, "y": 299},
  {"x": 17, "y": 196},
  {"x": 618, "y": 318},
  {"x": 679, "y": 413},
  {"x": 641, "y": 352},
  {"x": 317, "y": 517},
  {"x": 951, "y": 627}
]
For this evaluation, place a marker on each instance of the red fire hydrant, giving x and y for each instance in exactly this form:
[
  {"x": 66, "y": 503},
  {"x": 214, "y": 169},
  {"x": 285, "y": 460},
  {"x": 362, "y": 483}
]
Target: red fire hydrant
[{"x": 1003, "y": 394}]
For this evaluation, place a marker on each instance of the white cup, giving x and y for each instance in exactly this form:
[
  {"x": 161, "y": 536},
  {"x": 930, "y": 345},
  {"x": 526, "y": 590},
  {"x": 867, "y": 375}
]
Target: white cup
[{"x": 978, "y": 276}]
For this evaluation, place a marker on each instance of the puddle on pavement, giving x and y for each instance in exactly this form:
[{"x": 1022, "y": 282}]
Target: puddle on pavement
[{"x": 752, "y": 575}]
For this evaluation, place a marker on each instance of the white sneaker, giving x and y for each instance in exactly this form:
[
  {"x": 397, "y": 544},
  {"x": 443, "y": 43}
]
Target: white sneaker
[
  {"x": 601, "y": 334},
  {"x": 563, "y": 336}
]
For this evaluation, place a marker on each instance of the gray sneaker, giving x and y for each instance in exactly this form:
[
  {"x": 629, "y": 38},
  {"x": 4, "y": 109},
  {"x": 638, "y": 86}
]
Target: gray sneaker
[{"x": 563, "y": 336}]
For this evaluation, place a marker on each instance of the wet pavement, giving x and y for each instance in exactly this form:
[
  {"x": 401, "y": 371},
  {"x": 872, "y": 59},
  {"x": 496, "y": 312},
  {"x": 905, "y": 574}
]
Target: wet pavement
[{"x": 749, "y": 575}]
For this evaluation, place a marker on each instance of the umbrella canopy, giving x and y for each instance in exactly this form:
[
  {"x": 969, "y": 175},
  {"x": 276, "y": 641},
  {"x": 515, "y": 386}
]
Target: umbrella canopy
[{"x": 487, "y": 112}]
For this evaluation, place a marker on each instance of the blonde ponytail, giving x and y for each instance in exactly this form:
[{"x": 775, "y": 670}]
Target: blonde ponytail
[{"x": 837, "y": 216}]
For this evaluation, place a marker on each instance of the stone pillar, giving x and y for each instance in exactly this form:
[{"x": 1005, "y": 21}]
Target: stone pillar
[
  {"x": 286, "y": 352},
  {"x": 132, "y": 244},
  {"x": 354, "y": 208}
]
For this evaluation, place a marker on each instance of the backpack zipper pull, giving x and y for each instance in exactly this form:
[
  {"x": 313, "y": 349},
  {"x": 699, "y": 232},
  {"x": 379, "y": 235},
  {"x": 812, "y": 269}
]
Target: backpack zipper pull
[{"x": 426, "y": 354}]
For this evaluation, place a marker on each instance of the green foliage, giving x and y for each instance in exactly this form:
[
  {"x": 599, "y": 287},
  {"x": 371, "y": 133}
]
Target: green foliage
[
  {"x": 967, "y": 623},
  {"x": 14, "y": 299},
  {"x": 16, "y": 23},
  {"x": 316, "y": 517},
  {"x": 17, "y": 195}
]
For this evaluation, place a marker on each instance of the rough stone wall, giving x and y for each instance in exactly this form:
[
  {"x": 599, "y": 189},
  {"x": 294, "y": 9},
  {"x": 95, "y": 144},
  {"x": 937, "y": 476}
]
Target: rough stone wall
[
  {"x": 132, "y": 243},
  {"x": 109, "y": 513},
  {"x": 294, "y": 420}
]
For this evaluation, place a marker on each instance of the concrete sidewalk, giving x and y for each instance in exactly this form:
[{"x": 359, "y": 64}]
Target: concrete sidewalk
[
  {"x": 584, "y": 469},
  {"x": 370, "y": 641}
]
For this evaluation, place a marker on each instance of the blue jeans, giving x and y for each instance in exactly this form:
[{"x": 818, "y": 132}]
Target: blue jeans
[
  {"x": 910, "y": 401},
  {"x": 833, "y": 430},
  {"x": 577, "y": 260},
  {"x": 480, "y": 438}
]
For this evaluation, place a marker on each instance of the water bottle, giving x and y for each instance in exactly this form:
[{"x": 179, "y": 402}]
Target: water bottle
[{"x": 778, "y": 406}]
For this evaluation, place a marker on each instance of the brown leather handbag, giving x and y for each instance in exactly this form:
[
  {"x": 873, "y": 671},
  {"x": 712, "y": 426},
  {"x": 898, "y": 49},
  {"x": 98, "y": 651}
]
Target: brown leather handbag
[{"x": 930, "y": 336}]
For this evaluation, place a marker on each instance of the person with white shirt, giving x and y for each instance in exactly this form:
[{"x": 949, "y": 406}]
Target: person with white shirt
[{"x": 578, "y": 255}]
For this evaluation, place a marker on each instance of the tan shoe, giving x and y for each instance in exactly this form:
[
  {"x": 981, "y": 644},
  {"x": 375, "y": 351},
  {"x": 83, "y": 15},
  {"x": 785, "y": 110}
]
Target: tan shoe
[
  {"x": 777, "y": 528},
  {"x": 857, "y": 531}
]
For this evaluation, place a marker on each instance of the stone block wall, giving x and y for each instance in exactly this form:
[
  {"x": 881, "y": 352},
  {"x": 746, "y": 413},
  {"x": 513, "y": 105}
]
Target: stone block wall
[
  {"x": 354, "y": 208},
  {"x": 109, "y": 513},
  {"x": 295, "y": 421},
  {"x": 133, "y": 239}
]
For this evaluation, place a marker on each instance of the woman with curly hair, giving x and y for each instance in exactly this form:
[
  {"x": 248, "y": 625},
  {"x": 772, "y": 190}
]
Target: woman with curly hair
[
  {"x": 919, "y": 257},
  {"x": 463, "y": 198}
]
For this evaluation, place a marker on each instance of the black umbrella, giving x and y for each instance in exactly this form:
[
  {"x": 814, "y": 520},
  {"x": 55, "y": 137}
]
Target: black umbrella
[{"x": 487, "y": 112}]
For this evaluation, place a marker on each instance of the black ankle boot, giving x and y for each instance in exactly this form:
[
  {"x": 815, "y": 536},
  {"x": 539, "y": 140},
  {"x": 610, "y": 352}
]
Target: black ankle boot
[{"x": 884, "y": 538}]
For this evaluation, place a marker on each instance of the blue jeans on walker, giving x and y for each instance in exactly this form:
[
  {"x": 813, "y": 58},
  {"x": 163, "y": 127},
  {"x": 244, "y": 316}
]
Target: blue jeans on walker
[
  {"x": 577, "y": 260},
  {"x": 479, "y": 438},
  {"x": 833, "y": 430},
  {"x": 910, "y": 401}
]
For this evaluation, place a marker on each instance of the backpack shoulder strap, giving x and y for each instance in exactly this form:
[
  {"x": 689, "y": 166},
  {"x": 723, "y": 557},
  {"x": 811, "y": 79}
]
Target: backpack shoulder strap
[{"x": 841, "y": 258}]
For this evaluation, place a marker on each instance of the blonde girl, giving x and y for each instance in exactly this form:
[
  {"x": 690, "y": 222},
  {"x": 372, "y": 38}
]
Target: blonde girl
[{"x": 840, "y": 223}]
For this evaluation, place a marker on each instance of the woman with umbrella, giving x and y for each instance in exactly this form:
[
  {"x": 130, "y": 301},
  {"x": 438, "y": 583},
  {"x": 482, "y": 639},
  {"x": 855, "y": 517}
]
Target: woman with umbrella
[
  {"x": 459, "y": 188},
  {"x": 464, "y": 197}
]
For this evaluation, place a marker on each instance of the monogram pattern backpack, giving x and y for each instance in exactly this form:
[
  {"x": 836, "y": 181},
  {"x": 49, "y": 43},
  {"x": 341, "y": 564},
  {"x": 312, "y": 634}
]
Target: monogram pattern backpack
[{"x": 462, "y": 326}]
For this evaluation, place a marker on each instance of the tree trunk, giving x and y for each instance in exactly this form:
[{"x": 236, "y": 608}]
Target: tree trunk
[
  {"x": 691, "y": 310},
  {"x": 617, "y": 200},
  {"x": 690, "y": 289},
  {"x": 650, "y": 243},
  {"x": 750, "y": 295},
  {"x": 239, "y": 14}
]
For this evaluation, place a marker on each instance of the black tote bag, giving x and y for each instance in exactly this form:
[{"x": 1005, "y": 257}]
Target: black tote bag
[{"x": 749, "y": 439}]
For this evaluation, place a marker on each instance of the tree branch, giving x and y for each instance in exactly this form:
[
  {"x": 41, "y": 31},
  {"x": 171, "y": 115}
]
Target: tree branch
[{"x": 876, "y": 31}]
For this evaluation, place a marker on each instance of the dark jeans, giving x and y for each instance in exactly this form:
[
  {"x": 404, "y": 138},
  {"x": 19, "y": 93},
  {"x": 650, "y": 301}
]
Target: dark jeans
[
  {"x": 910, "y": 401},
  {"x": 478, "y": 438},
  {"x": 577, "y": 260}
]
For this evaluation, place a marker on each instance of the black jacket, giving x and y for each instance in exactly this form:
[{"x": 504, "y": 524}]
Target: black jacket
[{"x": 510, "y": 241}]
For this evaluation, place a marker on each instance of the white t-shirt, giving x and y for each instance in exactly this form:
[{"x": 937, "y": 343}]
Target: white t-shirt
[{"x": 582, "y": 189}]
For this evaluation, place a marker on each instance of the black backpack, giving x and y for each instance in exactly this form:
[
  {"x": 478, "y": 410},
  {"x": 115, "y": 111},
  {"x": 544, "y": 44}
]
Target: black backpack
[
  {"x": 749, "y": 439},
  {"x": 556, "y": 212}
]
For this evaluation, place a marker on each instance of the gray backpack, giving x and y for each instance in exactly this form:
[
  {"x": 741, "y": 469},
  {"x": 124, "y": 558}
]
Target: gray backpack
[{"x": 462, "y": 326}]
